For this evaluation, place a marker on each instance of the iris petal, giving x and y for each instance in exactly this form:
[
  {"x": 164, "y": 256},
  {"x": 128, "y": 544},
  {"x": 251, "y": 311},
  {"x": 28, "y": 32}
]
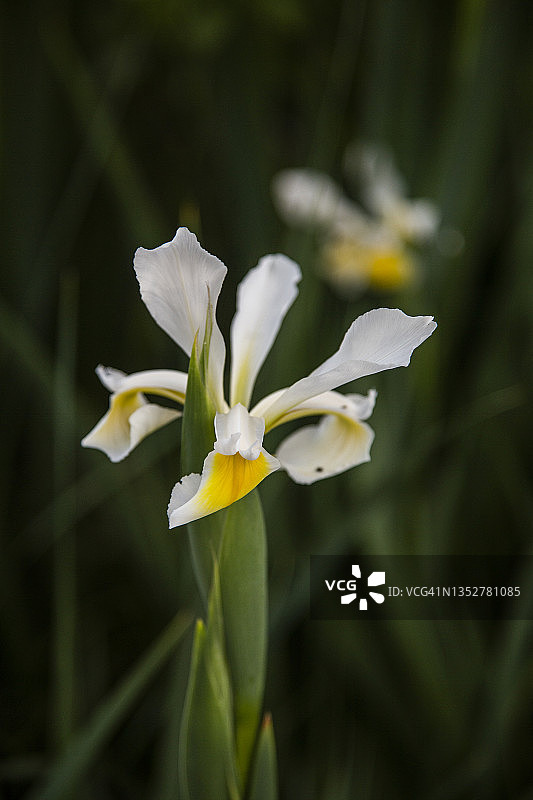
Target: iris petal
[
  {"x": 224, "y": 480},
  {"x": 378, "y": 340},
  {"x": 340, "y": 441},
  {"x": 263, "y": 298},
  {"x": 131, "y": 417},
  {"x": 180, "y": 283}
]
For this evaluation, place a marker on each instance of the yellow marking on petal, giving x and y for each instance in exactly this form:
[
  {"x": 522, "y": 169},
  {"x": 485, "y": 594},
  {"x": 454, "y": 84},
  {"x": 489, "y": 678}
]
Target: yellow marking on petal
[
  {"x": 350, "y": 263},
  {"x": 241, "y": 393},
  {"x": 121, "y": 407},
  {"x": 390, "y": 269},
  {"x": 112, "y": 434},
  {"x": 230, "y": 478},
  {"x": 300, "y": 413}
]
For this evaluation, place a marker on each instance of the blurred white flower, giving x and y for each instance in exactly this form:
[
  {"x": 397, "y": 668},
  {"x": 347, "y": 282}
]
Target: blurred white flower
[
  {"x": 385, "y": 194},
  {"x": 359, "y": 248}
]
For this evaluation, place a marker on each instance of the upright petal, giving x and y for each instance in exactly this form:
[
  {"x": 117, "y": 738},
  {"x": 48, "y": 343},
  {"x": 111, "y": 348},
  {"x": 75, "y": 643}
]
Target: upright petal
[
  {"x": 378, "y": 340},
  {"x": 224, "y": 480},
  {"x": 177, "y": 282},
  {"x": 131, "y": 417},
  {"x": 340, "y": 441},
  {"x": 263, "y": 298},
  {"x": 180, "y": 283}
]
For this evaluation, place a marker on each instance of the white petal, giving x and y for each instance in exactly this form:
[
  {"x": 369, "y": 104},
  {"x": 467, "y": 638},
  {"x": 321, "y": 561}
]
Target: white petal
[
  {"x": 310, "y": 197},
  {"x": 131, "y": 417},
  {"x": 224, "y": 480},
  {"x": 378, "y": 340},
  {"x": 239, "y": 432},
  {"x": 263, "y": 298},
  {"x": 338, "y": 442},
  {"x": 147, "y": 419},
  {"x": 357, "y": 406},
  {"x": 166, "y": 382},
  {"x": 362, "y": 406},
  {"x": 129, "y": 420},
  {"x": 374, "y": 167},
  {"x": 179, "y": 282},
  {"x": 415, "y": 220},
  {"x": 385, "y": 194},
  {"x": 110, "y": 377},
  {"x": 184, "y": 491}
]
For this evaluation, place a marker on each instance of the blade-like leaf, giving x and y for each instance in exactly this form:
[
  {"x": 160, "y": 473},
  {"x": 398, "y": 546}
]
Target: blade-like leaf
[
  {"x": 206, "y": 759},
  {"x": 264, "y": 777},
  {"x": 85, "y": 746}
]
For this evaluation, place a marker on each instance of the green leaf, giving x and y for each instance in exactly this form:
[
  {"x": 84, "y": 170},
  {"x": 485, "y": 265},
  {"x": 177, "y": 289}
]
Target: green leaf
[
  {"x": 70, "y": 768},
  {"x": 243, "y": 579},
  {"x": 206, "y": 760},
  {"x": 197, "y": 439},
  {"x": 264, "y": 777}
]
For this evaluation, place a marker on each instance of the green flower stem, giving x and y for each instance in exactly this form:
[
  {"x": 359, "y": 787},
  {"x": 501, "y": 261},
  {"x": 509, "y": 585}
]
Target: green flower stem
[
  {"x": 243, "y": 579},
  {"x": 227, "y": 677}
]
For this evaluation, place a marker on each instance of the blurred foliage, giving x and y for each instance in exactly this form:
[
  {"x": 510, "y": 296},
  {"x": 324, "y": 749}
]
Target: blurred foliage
[{"x": 122, "y": 120}]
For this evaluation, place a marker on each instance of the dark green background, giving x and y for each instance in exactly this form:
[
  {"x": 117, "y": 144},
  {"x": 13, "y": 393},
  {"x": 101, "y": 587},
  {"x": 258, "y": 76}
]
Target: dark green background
[{"x": 122, "y": 120}]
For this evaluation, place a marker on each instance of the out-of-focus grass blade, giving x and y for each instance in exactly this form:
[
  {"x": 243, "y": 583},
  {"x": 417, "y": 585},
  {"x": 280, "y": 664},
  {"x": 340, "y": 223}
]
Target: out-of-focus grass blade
[
  {"x": 93, "y": 488},
  {"x": 86, "y": 745},
  {"x": 166, "y": 782},
  {"x": 69, "y": 213},
  {"x": 109, "y": 148},
  {"x": 339, "y": 83},
  {"x": 64, "y": 546},
  {"x": 19, "y": 341}
]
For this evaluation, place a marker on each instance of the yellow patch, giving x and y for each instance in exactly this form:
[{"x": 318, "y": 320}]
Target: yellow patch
[
  {"x": 121, "y": 408},
  {"x": 230, "y": 478},
  {"x": 390, "y": 269},
  {"x": 351, "y": 263}
]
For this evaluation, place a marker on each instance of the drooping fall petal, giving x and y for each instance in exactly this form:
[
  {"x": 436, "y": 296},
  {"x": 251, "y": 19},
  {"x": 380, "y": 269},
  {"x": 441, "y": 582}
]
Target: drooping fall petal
[
  {"x": 224, "y": 480},
  {"x": 340, "y": 441},
  {"x": 131, "y": 417}
]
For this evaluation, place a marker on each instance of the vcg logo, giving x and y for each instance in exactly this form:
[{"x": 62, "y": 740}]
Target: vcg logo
[{"x": 349, "y": 587}]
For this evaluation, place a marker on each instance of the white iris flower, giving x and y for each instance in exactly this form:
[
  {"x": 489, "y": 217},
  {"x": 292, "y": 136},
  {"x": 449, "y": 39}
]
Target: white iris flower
[
  {"x": 361, "y": 248},
  {"x": 180, "y": 283}
]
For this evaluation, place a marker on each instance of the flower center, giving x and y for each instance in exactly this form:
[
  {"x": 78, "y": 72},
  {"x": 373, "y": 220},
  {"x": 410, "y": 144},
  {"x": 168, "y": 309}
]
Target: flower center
[{"x": 238, "y": 432}]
